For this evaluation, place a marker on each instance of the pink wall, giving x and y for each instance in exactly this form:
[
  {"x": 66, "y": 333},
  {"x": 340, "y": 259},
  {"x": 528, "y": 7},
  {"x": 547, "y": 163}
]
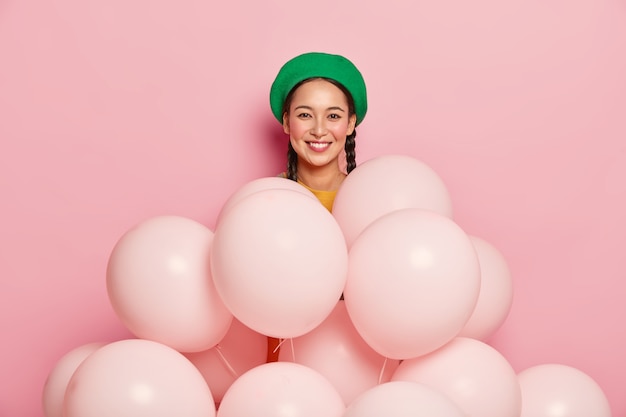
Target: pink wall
[{"x": 115, "y": 111}]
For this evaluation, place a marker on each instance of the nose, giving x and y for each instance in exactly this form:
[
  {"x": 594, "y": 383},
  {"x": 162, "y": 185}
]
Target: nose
[{"x": 319, "y": 129}]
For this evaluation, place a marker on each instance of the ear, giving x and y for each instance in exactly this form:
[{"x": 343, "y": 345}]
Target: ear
[
  {"x": 351, "y": 124},
  {"x": 285, "y": 123}
]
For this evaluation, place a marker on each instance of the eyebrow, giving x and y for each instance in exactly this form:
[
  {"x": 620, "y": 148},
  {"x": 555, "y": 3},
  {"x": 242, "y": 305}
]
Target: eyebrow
[{"x": 311, "y": 108}]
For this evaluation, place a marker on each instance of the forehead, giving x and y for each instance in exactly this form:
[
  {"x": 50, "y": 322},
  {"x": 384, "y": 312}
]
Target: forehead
[{"x": 319, "y": 90}]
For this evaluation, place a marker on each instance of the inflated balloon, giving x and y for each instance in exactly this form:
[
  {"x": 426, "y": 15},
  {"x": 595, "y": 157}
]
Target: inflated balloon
[
  {"x": 279, "y": 262},
  {"x": 260, "y": 184},
  {"x": 555, "y": 390},
  {"x": 496, "y": 292},
  {"x": 472, "y": 374},
  {"x": 241, "y": 350},
  {"x": 56, "y": 384},
  {"x": 137, "y": 378},
  {"x": 385, "y": 184},
  {"x": 336, "y": 351},
  {"x": 281, "y": 389},
  {"x": 413, "y": 282},
  {"x": 159, "y": 283},
  {"x": 402, "y": 399}
]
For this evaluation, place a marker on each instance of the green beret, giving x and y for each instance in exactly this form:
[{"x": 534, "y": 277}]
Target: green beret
[{"x": 313, "y": 65}]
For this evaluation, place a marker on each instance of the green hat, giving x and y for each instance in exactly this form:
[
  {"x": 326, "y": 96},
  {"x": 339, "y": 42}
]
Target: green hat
[{"x": 313, "y": 65}]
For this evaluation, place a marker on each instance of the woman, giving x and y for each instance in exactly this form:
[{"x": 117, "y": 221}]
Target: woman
[{"x": 319, "y": 99}]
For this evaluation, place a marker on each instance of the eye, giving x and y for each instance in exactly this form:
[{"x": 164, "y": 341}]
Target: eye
[
  {"x": 334, "y": 116},
  {"x": 304, "y": 115}
]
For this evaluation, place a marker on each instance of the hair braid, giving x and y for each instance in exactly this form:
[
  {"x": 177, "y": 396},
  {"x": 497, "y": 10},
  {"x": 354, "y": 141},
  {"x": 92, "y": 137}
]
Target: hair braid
[
  {"x": 292, "y": 163},
  {"x": 350, "y": 152}
]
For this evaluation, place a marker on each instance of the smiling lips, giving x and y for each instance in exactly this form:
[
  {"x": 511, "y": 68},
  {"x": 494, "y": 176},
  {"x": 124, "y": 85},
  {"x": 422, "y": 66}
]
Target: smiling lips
[{"x": 318, "y": 146}]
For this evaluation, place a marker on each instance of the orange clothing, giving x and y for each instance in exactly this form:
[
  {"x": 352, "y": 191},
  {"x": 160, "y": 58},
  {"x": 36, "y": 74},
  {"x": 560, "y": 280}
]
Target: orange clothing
[{"x": 327, "y": 198}]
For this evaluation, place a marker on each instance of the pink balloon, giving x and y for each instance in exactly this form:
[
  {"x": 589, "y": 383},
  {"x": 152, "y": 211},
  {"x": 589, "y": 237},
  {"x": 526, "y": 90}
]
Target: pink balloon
[
  {"x": 241, "y": 350},
  {"x": 281, "y": 389},
  {"x": 554, "y": 390},
  {"x": 261, "y": 184},
  {"x": 472, "y": 374},
  {"x": 402, "y": 399},
  {"x": 279, "y": 262},
  {"x": 336, "y": 351},
  {"x": 56, "y": 384},
  {"x": 137, "y": 378},
  {"x": 385, "y": 184},
  {"x": 496, "y": 292},
  {"x": 159, "y": 283},
  {"x": 413, "y": 282}
]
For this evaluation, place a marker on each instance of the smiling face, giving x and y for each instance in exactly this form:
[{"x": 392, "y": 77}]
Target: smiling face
[{"x": 317, "y": 121}]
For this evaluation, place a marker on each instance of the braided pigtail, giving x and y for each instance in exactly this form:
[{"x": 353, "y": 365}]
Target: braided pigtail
[
  {"x": 350, "y": 152},
  {"x": 292, "y": 163}
]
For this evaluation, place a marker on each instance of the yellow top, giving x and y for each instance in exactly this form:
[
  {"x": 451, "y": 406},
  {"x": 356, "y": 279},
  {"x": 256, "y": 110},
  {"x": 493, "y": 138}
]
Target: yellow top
[{"x": 327, "y": 198}]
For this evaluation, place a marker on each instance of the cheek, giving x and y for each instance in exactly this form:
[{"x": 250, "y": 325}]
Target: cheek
[
  {"x": 340, "y": 130},
  {"x": 296, "y": 128}
]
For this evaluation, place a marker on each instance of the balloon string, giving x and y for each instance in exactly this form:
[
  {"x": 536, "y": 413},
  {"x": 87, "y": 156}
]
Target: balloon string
[
  {"x": 281, "y": 341},
  {"x": 293, "y": 353},
  {"x": 218, "y": 349},
  {"x": 382, "y": 371}
]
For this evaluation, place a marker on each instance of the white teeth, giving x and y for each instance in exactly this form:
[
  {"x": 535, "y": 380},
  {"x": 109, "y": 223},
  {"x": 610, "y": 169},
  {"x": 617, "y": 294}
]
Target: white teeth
[{"x": 318, "y": 145}]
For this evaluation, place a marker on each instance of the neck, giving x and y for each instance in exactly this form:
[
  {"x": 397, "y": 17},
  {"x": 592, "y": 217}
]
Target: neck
[{"x": 327, "y": 178}]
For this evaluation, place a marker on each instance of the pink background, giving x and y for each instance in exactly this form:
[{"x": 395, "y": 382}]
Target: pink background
[{"x": 115, "y": 111}]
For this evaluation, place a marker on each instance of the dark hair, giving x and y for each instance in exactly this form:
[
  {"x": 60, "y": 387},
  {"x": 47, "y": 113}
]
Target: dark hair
[{"x": 292, "y": 156}]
